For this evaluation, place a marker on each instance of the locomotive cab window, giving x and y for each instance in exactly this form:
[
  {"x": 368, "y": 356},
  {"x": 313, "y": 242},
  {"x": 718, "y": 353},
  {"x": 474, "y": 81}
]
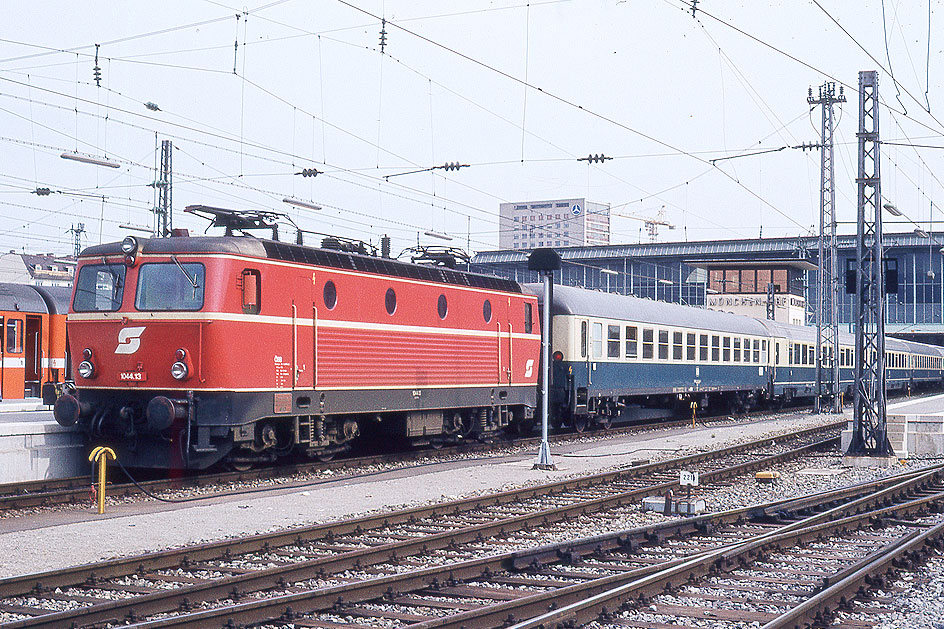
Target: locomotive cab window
[
  {"x": 250, "y": 279},
  {"x": 170, "y": 286},
  {"x": 528, "y": 319},
  {"x": 99, "y": 288}
]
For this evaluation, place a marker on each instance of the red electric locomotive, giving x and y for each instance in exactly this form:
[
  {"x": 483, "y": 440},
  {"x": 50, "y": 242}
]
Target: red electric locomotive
[{"x": 192, "y": 351}]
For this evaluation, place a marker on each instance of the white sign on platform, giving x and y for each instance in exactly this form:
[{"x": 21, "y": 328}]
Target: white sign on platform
[{"x": 688, "y": 478}]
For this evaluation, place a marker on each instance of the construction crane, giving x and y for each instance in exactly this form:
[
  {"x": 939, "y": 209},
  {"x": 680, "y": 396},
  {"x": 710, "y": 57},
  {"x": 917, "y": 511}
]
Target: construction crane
[{"x": 652, "y": 224}]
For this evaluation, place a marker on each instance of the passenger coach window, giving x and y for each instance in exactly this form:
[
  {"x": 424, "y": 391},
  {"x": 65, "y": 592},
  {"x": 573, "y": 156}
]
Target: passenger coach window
[
  {"x": 251, "y": 285},
  {"x": 690, "y": 346},
  {"x": 597, "y": 339},
  {"x": 747, "y": 350},
  {"x": 737, "y": 350},
  {"x": 757, "y": 348},
  {"x": 99, "y": 288},
  {"x": 663, "y": 345},
  {"x": 647, "y": 343},
  {"x": 703, "y": 347},
  {"x": 631, "y": 341},
  {"x": 715, "y": 348},
  {"x": 676, "y": 346},
  {"x": 583, "y": 339},
  {"x": 170, "y": 286},
  {"x": 14, "y": 336},
  {"x": 726, "y": 346},
  {"x": 612, "y": 341}
]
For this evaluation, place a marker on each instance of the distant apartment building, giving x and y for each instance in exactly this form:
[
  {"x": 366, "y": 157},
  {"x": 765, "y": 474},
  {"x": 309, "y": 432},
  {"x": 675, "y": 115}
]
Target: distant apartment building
[
  {"x": 557, "y": 223},
  {"x": 37, "y": 270}
]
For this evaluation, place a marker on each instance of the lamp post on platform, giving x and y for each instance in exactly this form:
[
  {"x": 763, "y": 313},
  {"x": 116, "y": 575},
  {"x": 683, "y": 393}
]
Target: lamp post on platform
[{"x": 545, "y": 261}]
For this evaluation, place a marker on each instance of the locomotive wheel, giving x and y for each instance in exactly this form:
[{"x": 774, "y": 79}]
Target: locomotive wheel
[{"x": 325, "y": 455}]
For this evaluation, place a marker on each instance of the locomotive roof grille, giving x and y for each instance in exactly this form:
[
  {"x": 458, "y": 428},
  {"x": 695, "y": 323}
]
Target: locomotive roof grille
[
  {"x": 385, "y": 266},
  {"x": 310, "y": 255}
]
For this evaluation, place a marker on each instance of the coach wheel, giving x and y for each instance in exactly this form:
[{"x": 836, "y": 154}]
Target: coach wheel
[
  {"x": 605, "y": 421},
  {"x": 580, "y": 423},
  {"x": 239, "y": 465}
]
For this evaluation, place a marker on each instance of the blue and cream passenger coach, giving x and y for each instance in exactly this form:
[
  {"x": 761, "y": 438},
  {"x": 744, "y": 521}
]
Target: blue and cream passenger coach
[{"x": 612, "y": 352}]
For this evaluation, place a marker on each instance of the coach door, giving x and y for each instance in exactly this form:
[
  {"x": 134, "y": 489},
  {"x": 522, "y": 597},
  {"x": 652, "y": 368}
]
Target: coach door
[
  {"x": 33, "y": 348},
  {"x": 12, "y": 358},
  {"x": 583, "y": 345}
]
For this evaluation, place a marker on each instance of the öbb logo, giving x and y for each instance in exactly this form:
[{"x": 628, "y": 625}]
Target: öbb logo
[{"x": 129, "y": 340}]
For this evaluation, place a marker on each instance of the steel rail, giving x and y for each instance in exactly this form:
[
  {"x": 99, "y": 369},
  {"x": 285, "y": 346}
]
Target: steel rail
[
  {"x": 76, "y": 489},
  {"x": 588, "y": 597},
  {"x": 170, "y": 600}
]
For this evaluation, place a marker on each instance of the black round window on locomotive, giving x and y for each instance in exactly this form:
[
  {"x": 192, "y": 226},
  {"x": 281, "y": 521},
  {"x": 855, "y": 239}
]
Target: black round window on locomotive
[
  {"x": 443, "y": 307},
  {"x": 487, "y": 311},
  {"x": 390, "y": 301},
  {"x": 330, "y": 295}
]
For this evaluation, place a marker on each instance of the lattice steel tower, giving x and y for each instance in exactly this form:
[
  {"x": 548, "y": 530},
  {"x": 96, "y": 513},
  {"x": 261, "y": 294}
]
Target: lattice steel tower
[
  {"x": 827, "y": 276},
  {"x": 163, "y": 209},
  {"x": 869, "y": 434}
]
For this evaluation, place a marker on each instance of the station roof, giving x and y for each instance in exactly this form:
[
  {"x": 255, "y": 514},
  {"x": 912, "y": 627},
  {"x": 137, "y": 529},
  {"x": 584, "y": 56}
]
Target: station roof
[{"x": 801, "y": 247}]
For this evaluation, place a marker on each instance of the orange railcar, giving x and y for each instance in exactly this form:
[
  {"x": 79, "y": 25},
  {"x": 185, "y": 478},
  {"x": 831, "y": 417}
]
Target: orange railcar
[{"x": 33, "y": 339}]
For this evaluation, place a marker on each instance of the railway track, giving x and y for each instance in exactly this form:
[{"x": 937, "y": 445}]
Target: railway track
[
  {"x": 77, "y": 490},
  {"x": 347, "y": 554}
]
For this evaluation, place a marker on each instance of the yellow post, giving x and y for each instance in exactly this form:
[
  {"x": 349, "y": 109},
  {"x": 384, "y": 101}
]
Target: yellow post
[
  {"x": 100, "y": 455},
  {"x": 694, "y": 408}
]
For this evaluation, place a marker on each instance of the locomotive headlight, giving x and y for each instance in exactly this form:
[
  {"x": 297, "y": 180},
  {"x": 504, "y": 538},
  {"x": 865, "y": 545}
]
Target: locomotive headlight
[
  {"x": 179, "y": 370},
  {"x": 129, "y": 245},
  {"x": 86, "y": 369}
]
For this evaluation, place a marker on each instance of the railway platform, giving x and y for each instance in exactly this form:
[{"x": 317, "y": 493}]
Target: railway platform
[
  {"x": 916, "y": 427},
  {"x": 33, "y": 446}
]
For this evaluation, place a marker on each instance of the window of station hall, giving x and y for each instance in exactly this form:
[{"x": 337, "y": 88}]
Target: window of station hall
[{"x": 747, "y": 280}]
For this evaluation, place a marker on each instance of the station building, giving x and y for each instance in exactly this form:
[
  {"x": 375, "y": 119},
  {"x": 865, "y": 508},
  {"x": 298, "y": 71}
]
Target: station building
[{"x": 734, "y": 276}]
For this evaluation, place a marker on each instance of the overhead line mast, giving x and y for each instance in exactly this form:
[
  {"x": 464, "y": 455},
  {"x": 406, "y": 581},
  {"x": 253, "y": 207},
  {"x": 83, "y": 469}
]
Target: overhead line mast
[
  {"x": 827, "y": 285},
  {"x": 869, "y": 432}
]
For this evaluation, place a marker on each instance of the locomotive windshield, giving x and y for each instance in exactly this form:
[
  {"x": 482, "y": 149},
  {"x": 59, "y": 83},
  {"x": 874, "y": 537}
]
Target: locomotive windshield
[
  {"x": 170, "y": 286},
  {"x": 99, "y": 288}
]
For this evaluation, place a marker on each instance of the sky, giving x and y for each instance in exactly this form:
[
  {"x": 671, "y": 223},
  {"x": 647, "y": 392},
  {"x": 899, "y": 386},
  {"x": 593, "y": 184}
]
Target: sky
[{"x": 516, "y": 92}]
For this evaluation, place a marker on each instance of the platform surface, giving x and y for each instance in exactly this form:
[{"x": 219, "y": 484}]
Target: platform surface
[{"x": 933, "y": 405}]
